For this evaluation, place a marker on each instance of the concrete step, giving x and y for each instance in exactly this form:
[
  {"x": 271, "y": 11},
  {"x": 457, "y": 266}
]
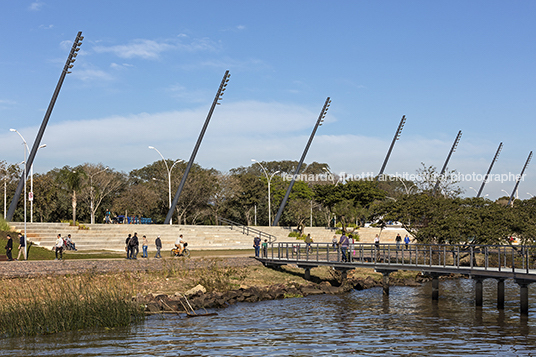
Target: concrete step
[{"x": 112, "y": 236}]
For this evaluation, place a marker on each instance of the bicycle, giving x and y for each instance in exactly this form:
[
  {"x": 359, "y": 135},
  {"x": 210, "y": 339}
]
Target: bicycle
[{"x": 185, "y": 252}]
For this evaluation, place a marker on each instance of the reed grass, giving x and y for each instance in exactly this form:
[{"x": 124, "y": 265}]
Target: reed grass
[{"x": 56, "y": 304}]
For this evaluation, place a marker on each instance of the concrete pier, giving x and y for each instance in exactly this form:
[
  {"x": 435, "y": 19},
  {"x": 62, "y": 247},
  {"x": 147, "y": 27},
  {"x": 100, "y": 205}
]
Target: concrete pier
[
  {"x": 500, "y": 293},
  {"x": 478, "y": 291}
]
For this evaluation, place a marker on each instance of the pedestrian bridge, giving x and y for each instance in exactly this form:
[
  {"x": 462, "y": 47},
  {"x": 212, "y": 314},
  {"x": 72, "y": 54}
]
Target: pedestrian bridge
[{"x": 480, "y": 262}]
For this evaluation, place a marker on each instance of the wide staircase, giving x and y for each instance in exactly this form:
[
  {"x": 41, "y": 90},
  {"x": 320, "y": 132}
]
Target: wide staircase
[{"x": 112, "y": 236}]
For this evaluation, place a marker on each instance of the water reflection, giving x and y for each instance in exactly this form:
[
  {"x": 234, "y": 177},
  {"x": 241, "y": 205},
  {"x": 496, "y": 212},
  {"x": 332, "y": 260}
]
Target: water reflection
[{"x": 365, "y": 322}]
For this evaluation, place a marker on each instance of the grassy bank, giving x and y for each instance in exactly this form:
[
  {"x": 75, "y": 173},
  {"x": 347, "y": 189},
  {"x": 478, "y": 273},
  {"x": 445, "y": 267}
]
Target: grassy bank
[{"x": 57, "y": 304}]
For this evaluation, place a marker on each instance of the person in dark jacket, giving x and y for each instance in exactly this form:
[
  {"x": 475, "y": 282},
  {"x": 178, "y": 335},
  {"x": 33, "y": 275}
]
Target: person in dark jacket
[
  {"x": 158, "y": 244},
  {"x": 22, "y": 247},
  {"x": 9, "y": 248},
  {"x": 134, "y": 246},
  {"x": 127, "y": 246}
]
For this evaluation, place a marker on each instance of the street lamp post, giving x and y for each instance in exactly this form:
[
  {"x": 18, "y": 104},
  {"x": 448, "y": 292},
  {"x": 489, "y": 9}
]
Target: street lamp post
[
  {"x": 269, "y": 179},
  {"x": 474, "y": 189},
  {"x": 31, "y": 173},
  {"x": 25, "y": 179},
  {"x": 169, "y": 174},
  {"x": 91, "y": 203}
]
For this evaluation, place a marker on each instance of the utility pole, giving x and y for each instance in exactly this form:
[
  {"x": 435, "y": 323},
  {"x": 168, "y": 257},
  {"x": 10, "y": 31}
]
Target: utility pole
[
  {"x": 397, "y": 136},
  {"x": 68, "y": 65},
  {"x": 318, "y": 123},
  {"x": 218, "y": 97},
  {"x": 489, "y": 170}
]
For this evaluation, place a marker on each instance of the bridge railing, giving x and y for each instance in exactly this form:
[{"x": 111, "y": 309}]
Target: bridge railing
[{"x": 513, "y": 258}]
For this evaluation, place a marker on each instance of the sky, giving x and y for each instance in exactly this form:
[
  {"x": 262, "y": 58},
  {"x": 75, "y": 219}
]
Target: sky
[{"x": 147, "y": 73}]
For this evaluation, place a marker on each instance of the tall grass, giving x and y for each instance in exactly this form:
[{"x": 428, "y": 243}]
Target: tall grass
[{"x": 56, "y": 304}]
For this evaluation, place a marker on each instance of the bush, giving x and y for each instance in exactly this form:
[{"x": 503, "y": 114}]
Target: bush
[{"x": 297, "y": 235}]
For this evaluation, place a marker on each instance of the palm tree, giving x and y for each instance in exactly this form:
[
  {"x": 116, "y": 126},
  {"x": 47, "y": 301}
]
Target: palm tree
[{"x": 72, "y": 179}]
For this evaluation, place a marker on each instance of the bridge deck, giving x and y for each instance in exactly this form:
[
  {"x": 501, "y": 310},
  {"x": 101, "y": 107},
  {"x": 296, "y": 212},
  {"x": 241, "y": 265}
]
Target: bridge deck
[{"x": 500, "y": 262}]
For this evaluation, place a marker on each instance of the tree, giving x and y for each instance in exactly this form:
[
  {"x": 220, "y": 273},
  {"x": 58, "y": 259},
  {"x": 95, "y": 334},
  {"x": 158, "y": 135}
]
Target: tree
[
  {"x": 428, "y": 178},
  {"x": 98, "y": 184},
  {"x": 71, "y": 180}
]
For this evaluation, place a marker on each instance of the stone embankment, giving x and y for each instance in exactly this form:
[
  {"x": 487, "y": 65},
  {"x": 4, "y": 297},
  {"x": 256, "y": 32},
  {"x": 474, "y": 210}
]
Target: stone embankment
[{"x": 199, "y": 299}]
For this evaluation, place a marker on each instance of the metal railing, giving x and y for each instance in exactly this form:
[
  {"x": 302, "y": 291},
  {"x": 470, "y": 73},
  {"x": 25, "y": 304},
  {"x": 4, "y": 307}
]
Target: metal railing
[
  {"x": 496, "y": 258},
  {"x": 247, "y": 230}
]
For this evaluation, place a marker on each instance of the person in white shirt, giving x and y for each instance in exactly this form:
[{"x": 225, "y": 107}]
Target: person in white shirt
[
  {"x": 59, "y": 247},
  {"x": 179, "y": 243}
]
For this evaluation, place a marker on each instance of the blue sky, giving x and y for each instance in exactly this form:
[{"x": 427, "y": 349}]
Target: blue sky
[{"x": 148, "y": 72}]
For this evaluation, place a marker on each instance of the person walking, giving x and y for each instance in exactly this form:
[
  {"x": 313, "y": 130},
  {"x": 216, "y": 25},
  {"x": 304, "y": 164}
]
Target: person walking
[
  {"x": 257, "y": 246},
  {"x": 22, "y": 245},
  {"x": 127, "y": 245},
  {"x": 406, "y": 241},
  {"x": 144, "y": 247},
  {"x": 59, "y": 247},
  {"x": 158, "y": 244},
  {"x": 9, "y": 248},
  {"x": 308, "y": 241},
  {"x": 344, "y": 243},
  {"x": 398, "y": 240},
  {"x": 265, "y": 248}
]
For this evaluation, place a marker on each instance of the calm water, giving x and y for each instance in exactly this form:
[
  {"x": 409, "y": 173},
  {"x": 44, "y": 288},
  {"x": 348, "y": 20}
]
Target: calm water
[{"x": 358, "y": 323}]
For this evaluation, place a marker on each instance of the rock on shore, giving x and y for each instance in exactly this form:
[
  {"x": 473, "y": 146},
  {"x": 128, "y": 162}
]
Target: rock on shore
[{"x": 199, "y": 299}]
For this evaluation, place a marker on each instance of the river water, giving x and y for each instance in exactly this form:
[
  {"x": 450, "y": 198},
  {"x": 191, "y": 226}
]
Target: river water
[{"x": 360, "y": 323}]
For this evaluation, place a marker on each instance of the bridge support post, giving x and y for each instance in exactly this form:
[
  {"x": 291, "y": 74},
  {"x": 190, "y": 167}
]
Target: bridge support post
[
  {"x": 306, "y": 271},
  {"x": 523, "y": 296},
  {"x": 435, "y": 287},
  {"x": 385, "y": 280},
  {"x": 307, "y": 274},
  {"x": 478, "y": 291},
  {"x": 500, "y": 293}
]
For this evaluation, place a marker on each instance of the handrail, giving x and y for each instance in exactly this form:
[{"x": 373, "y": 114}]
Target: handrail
[
  {"x": 247, "y": 230},
  {"x": 497, "y": 260}
]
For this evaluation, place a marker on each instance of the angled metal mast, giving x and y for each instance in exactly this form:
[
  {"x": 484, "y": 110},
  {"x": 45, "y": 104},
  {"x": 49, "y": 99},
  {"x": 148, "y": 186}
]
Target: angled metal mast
[
  {"x": 454, "y": 145},
  {"x": 397, "y": 136},
  {"x": 318, "y": 123},
  {"x": 489, "y": 170},
  {"x": 68, "y": 65},
  {"x": 519, "y": 179},
  {"x": 218, "y": 97}
]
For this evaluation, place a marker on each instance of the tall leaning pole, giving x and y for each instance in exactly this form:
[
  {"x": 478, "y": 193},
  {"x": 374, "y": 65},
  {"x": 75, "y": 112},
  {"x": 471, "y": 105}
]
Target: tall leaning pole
[
  {"x": 218, "y": 97},
  {"x": 397, "y": 136},
  {"x": 452, "y": 149},
  {"x": 489, "y": 170},
  {"x": 68, "y": 65},
  {"x": 519, "y": 179},
  {"x": 318, "y": 123}
]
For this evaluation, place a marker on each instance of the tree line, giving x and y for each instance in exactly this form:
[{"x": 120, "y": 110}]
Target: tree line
[{"x": 84, "y": 193}]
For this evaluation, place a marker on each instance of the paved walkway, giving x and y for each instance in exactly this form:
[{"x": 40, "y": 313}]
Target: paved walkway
[{"x": 18, "y": 269}]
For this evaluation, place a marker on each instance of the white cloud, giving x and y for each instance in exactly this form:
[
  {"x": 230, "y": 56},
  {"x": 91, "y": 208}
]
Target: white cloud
[
  {"x": 91, "y": 74},
  {"x": 151, "y": 49},
  {"x": 35, "y": 6}
]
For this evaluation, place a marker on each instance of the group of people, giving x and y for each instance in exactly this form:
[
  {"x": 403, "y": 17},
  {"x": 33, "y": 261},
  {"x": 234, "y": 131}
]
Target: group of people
[
  {"x": 258, "y": 245},
  {"x": 61, "y": 244},
  {"x": 9, "y": 247},
  {"x": 132, "y": 246}
]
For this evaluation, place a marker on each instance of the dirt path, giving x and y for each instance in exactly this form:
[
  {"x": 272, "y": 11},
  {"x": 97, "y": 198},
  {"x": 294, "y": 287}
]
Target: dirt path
[{"x": 18, "y": 269}]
